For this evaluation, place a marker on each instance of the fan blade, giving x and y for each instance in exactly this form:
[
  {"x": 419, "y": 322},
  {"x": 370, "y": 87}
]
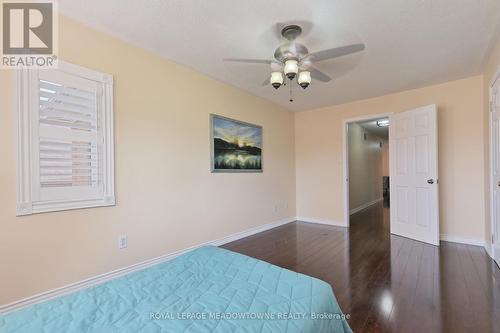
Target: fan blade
[
  {"x": 249, "y": 61},
  {"x": 319, "y": 75},
  {"x": 266, "y": 82},
  {"x": 336, "y": 52}
]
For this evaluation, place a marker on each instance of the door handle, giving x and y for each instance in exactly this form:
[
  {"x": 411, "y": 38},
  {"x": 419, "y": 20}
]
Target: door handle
[{"x": 430, "y": 181}]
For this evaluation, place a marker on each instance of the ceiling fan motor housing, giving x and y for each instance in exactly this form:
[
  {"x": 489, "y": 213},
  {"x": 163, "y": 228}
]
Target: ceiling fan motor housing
[{"x": 290, "y": 51}]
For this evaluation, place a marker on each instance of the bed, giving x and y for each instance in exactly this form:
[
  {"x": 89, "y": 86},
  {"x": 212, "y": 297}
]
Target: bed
[{"x": 205, "y": 290}]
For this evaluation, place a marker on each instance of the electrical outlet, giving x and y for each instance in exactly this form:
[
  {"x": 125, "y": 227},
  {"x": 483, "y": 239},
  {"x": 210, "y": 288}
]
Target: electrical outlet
[{"x": 122, "y": 241}]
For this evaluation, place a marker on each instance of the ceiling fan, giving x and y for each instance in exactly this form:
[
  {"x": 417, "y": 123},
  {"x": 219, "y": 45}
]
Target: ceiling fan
[{"x": 295, "y": 61}]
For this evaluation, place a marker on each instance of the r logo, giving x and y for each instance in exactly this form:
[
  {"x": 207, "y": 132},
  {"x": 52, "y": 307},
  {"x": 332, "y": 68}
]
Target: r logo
[{"x": 27, "y": 28}]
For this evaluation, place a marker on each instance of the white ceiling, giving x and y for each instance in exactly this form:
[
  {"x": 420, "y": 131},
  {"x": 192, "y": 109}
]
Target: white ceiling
[
  {"x": 409, "y": 43},
  {"x": 372, "y": 127}
]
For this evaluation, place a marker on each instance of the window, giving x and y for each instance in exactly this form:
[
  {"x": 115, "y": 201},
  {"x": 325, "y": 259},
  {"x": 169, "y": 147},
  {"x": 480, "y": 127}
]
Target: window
[{"x": 65, "y": 139}]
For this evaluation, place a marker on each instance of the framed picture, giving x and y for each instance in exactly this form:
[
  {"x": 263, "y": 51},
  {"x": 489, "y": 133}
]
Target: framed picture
[{"x": 236, "y": 146}]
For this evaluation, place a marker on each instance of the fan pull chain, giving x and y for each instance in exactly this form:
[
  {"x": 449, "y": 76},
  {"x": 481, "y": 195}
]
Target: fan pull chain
[{"x": 291, "y": 97}]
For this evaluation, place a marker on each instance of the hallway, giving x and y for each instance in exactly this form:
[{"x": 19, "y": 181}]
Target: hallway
[{"x": 388, "y": 283}]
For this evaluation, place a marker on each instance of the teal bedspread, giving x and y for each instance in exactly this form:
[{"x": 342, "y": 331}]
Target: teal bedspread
[{"x": 206, "y": 290}]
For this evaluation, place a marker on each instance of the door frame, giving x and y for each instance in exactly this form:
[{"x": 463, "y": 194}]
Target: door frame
[
  {"x": 490, "y": 248},
  {"x": 345, "y": 157}
]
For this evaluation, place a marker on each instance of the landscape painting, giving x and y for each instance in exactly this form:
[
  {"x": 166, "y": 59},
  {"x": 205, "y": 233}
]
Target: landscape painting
[{"x": 236, "y": 145}]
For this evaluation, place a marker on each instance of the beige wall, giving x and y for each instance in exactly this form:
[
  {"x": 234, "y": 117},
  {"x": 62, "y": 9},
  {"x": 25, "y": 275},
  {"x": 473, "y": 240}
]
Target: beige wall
[
  {"x": 492, "y": 65},
  {"x": 365, "y": 166},
  {"x": 461, "y": 153},
  {"x": 167, "y": 199}
]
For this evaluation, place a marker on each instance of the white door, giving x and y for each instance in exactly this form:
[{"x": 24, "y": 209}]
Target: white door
[
  {"x": 495, "y": 168},
  {"x": 414, "y": 174}
]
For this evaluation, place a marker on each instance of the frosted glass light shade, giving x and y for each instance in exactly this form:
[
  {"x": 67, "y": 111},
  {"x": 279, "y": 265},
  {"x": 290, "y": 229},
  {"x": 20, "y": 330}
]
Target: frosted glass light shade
[
  {"x": 304, "y": 79},
  {"x": 291, "y": 68},
  {"x": 276, "y": 79}
]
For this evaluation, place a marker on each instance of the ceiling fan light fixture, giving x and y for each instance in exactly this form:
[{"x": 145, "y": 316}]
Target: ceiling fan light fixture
[
  {"x": 291, "y": 56},
  {"x": 276, "y": 79},
  {"x": 291, "y": 68},
  {"x": 304, "y": 79}
]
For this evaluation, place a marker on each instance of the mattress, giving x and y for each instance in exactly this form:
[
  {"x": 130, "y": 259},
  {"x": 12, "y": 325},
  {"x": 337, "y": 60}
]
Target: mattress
[{"x": 205, "y": 290}]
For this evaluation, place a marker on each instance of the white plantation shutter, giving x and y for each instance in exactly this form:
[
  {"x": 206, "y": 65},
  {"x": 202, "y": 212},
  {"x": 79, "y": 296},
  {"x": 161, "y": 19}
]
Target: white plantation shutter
[
  {"x": 70, "y": 140},
  {"x": 69, "y": 137}
]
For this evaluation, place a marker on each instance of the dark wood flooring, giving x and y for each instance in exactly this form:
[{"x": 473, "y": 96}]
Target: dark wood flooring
[{"x": 388, "y": 283}]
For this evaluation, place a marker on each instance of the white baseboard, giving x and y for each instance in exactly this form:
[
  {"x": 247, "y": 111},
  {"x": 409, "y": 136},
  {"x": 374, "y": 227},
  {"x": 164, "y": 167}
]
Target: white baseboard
[
  {"x": 98, "y": 279},
  {"x": 462, "y": 240},
  {"x": 321, "y": 221},
  {"x": 246, "y": 233},
  {"x": 364, "y": 206}
]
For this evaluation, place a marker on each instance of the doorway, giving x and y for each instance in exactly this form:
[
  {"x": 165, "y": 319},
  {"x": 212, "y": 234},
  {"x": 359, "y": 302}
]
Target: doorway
[
  {"x": 366, "y": 165},
  {"x": 413, "y": 169}
]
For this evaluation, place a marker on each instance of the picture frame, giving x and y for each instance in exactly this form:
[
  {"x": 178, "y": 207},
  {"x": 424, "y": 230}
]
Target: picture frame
[{"x": 235, "y": 146}]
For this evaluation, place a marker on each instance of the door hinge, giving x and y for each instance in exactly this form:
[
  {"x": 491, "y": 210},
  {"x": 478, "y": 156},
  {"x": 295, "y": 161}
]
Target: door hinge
[{"x": 492, "y": 238}]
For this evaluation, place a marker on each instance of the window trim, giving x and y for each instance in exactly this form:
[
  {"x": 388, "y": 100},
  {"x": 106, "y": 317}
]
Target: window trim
[{"x": 25, "y": 204}]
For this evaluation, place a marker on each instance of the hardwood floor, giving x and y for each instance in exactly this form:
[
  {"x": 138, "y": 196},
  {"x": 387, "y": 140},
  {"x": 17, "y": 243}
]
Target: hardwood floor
[{"x": 388, "y": 283}]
